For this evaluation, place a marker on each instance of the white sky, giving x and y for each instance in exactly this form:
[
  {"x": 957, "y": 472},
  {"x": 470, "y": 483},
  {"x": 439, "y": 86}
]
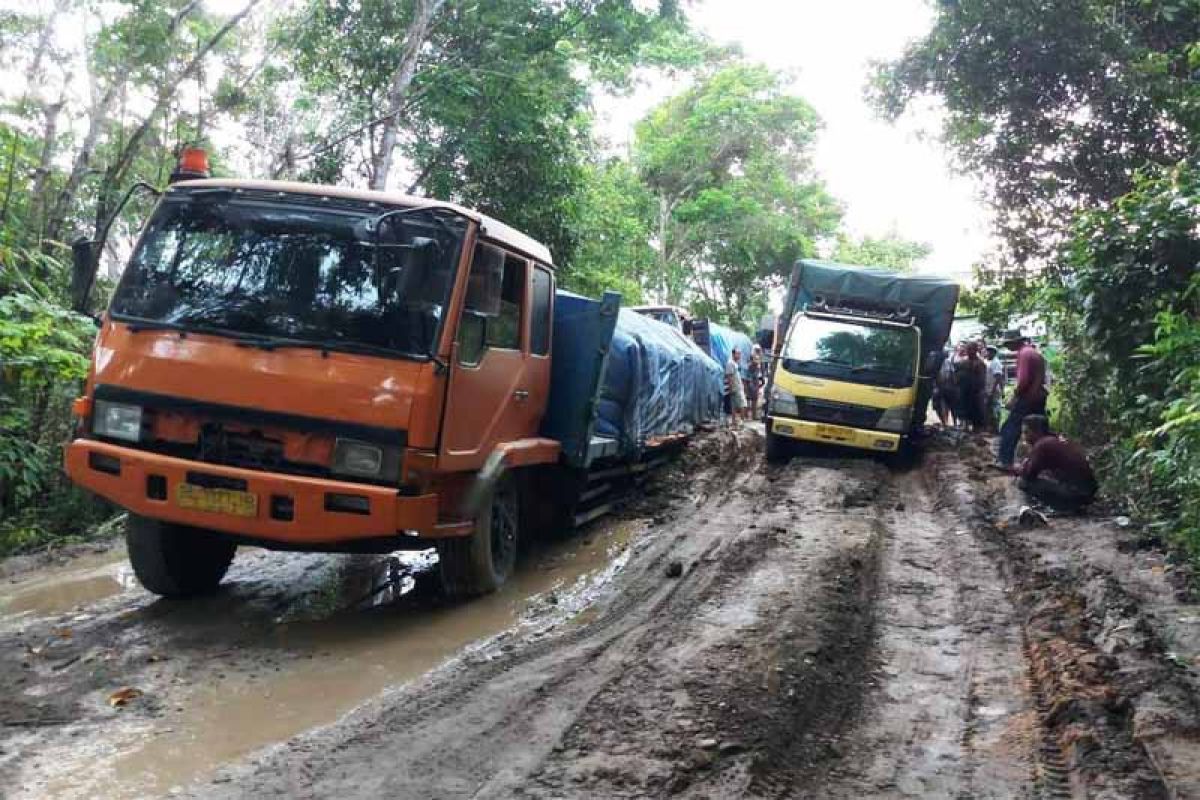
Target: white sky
[{"x": 888, "y": 177}]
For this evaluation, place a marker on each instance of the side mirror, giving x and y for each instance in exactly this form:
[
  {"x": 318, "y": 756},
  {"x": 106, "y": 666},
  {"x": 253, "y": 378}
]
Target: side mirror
[
  {"x": 486, "y": 282},
  {"x": 83, "y": 266}
]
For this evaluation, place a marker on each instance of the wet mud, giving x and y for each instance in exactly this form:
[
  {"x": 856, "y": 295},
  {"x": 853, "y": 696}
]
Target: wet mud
[
  {"x": 291, "y": 643},
  {"x": 830, "y": 628}
]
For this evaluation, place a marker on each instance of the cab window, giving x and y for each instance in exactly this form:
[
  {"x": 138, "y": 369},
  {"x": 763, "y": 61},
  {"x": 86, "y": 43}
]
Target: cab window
[
  {"x": 504, "y": 330},
  {"x": 539, "y": 317}
]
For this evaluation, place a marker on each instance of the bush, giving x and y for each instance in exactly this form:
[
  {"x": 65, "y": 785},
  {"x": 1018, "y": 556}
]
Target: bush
[
  {"x": 43, "y": 360},
  {"x": 1125, "y": 301}
]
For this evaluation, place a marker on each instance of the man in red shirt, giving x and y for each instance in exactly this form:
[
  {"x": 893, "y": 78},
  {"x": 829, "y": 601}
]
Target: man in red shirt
[
  {"x": 1029, "y": 396},
  {"x": 1056, "y": 471}
]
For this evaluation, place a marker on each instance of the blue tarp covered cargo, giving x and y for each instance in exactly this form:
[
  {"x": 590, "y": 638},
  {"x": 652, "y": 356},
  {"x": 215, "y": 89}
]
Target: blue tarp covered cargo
[
  {"x": 625, "y": 378},
  {"x": 657, "y": 383}
]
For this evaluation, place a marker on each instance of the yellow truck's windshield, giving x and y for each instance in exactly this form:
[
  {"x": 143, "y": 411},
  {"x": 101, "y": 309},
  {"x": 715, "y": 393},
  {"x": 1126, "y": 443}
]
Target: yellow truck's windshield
[{"x": 859, "y": 352}]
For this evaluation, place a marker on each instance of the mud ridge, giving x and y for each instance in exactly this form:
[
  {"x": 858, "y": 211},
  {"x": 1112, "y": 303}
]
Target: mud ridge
[{"x": 1085, "y": 694}]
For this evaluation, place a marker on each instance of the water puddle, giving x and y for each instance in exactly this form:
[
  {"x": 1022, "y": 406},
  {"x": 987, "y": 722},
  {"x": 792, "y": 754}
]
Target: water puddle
[
  {"x": 332, "y": 665},
  {"x": 88, "y": 580}
]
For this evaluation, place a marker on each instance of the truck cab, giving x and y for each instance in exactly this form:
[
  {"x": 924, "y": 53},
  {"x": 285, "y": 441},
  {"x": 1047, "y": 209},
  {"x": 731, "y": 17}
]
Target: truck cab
[
  {"x": 856, "y": 356},
  {"x": 308, "y": 367},
  {"x": 845, "y": 379}
]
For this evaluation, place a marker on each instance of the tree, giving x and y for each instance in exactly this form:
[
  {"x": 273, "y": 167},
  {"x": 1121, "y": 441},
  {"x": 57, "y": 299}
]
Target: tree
[
  {"x": 891, "y": 251},
  {"x": 612, "y": 217},
  {"x": 493, "y": 107},
  {"x": 737, "y": 200},
  {"x": 1059, "y": 103}
]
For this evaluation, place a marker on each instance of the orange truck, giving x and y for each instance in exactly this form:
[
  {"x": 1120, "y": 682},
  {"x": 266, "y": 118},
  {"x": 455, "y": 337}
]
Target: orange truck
[{"x": 305, "y": 367}]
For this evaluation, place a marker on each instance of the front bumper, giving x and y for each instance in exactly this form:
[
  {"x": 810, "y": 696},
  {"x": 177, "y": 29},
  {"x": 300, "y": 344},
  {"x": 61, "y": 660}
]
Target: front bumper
[
  {"x": 876, "y": 441},
  {"x": 91, "y": 463}
]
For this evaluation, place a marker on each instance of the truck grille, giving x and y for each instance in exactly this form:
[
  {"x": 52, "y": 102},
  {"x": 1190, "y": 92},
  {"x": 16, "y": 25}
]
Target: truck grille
[{"x": 838, "y": 413}]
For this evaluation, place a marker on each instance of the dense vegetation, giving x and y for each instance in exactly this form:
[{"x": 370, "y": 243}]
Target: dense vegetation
[
  {"x": 1083, "y": 116},
  {"x": 489, "y": 104}
]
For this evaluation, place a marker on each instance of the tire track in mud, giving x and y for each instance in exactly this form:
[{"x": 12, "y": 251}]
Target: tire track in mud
[
  {"x": 947, "y": 713},
  {"x": 1086, "y": 684},
  {"x": 715, "y": 700},
  {"x": 511, "y": 704}
]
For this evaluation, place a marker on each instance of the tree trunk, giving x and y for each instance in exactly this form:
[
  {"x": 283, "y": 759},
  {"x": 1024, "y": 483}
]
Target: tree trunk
[
  {"x": 79, "y": 167},
  {"x": 402, "y": 78},
  {"x": 46, "y": 159}
]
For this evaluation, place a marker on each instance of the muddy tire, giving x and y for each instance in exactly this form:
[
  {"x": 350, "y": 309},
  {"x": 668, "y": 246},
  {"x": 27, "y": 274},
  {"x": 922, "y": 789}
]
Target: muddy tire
[
  {"x": 174, "y": 560},
  {"x": 779, "y": 448},
  {"x": 482, "y": 562}
]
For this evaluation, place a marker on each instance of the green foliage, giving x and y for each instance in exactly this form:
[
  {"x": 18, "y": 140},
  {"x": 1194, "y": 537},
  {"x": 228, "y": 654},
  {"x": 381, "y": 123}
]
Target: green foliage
[
  {"x": 892, "y": 251},
  {"x": 1083, "y": 116},
  {"x": 43, "y": 359},
  {"x": 737, "y": 200},
  {"x": 1059, "y": 103},
  {"x": 1129, "y": 317},
  {"x": 612, "y": 212}
]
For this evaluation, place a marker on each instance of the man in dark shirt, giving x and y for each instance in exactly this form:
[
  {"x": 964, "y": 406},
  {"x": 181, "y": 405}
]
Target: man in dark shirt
[
  {"x": 1029, "y": 396},
  {"x": 1056, "y": 471}
]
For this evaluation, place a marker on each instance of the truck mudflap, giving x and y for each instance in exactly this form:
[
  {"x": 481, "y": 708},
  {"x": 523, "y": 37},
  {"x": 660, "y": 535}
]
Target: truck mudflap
[
  {"x": 290, "y": 509},
  {"x": 864, "y": 439}
]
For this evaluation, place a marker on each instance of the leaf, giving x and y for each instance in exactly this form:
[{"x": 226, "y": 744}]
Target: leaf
[{"x": 122, "y": 696}]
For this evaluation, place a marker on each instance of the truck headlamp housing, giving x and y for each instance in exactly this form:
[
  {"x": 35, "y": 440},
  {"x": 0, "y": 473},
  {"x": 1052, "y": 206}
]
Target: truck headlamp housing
[
  {"x": 784, "y": 402},
  {"x": 358, "y": 459},
  {"x": 117, "y": 421},
  {"x": 896, "y": 419}
]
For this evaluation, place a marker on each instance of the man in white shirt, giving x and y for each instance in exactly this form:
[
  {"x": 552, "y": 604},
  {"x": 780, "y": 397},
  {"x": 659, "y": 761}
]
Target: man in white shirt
[{"x": 734, "y": 388}]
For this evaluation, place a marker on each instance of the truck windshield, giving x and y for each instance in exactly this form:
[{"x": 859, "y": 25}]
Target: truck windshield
[
  {"x": 294, "y": 273},
  {"x": 858, "y": 352}
]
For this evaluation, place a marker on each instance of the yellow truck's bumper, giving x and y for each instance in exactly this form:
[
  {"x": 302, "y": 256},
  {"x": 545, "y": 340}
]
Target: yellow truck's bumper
[{"x": 877, "y": 441}]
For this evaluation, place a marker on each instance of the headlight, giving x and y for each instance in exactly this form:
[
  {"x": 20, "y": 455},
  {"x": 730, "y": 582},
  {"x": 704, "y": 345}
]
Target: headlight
[
  {"x": 357, "y": 458},
  {"x": 896, "y": 419},
  {"x": 117, "y": 421},
  {"x": 783, "y": 402}
]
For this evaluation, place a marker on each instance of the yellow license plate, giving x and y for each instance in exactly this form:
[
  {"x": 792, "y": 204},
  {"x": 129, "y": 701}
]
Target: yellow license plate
[
  {"x": 834, "y": 432},
  {"x": 217, "y": 501}
]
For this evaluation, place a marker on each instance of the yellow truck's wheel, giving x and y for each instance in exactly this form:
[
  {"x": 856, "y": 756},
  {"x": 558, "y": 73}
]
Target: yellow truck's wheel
[
  {"x": 174, "y": 560},
  {"x": 482, "y": 562},
  {"x": 779, "y": 448}
]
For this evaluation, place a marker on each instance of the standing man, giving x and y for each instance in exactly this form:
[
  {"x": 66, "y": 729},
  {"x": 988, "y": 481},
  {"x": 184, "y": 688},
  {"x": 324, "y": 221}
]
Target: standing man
[
  {"x": 1029, "y": 396},
  {"x": 995, "y": 387},
  {"x": 754, "y": 379},
  {"x": 734, "y": 388}
]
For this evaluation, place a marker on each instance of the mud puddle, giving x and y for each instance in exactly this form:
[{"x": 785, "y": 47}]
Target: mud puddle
[
  {"x": 88, "y": 580},
  {"x": 376, "y": 623}
]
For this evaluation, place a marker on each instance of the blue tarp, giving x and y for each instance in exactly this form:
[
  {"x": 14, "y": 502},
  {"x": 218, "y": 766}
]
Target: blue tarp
[
  {"x": 657, "y": 382},
  {"x": 723, "y": 340}
]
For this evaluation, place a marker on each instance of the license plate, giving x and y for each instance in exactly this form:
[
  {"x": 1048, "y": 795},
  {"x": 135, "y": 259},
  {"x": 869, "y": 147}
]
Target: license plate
[
  {"x": 216, "y": 501},
  {"x": 834, "y": 432}
]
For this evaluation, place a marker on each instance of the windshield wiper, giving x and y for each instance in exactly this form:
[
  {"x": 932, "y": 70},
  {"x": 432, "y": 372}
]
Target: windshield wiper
[
  {"x": 139, "y": 325},
  {"x": 271, "y": 343}
]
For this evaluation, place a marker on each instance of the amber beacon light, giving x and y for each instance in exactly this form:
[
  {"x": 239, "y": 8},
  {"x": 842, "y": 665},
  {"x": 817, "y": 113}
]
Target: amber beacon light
[{"x": 193, "y": 163}]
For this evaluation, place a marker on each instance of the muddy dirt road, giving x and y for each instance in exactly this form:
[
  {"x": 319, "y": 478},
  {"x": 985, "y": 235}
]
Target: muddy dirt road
[{"x": 828, "y": 628}]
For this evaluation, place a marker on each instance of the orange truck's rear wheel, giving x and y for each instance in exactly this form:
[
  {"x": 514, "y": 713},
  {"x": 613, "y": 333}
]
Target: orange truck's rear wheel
[
  {"x": 482, "y": 562},
  {"x": 174, "y": 560}
]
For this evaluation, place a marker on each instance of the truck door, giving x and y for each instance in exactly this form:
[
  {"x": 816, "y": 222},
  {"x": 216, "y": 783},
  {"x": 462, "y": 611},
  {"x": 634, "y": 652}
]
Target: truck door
[{"x": 497, "y": 388}]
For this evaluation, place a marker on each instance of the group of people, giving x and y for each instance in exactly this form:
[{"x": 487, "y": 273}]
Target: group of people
[
  {"x": 743, "y": 385},
  {"x": 1055, "y": 470},
  {"x": 969, "y": 386}
]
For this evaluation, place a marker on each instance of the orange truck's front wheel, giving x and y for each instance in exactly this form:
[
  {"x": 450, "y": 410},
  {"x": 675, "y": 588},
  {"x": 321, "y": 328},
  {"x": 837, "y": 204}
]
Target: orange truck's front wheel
[
  {"x": 482, "y": 562},
  {"x": 175, "y": 560}
]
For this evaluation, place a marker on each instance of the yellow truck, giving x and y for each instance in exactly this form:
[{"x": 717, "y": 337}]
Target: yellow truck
[{"x": 856, "y": 353}]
